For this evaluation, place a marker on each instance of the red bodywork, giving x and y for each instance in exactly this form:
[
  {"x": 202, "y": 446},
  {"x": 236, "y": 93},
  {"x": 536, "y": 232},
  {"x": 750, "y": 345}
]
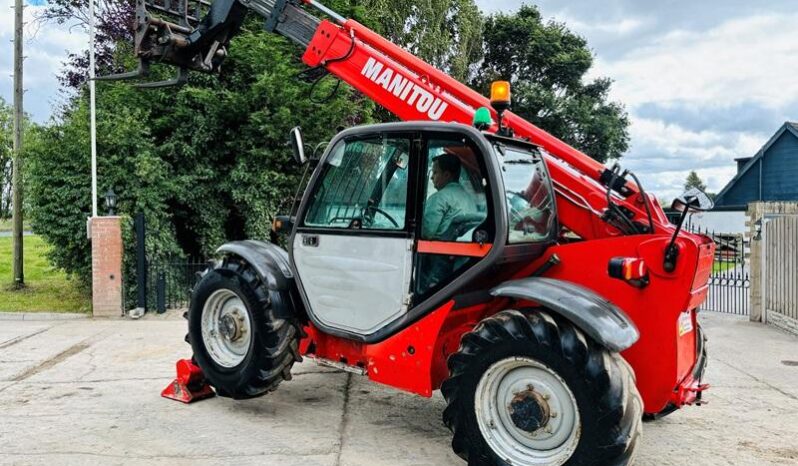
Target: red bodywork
[
  {"x": 414, "y": 359},
  {"x": 663, "y": 359},
  {"x": 189, "y": 385}
]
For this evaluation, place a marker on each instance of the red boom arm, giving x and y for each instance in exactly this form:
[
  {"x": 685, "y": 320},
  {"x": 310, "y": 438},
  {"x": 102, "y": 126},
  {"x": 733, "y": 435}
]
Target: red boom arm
[
  {"x": 399, "y": 81},
  {"x": 414, "y": 90}
]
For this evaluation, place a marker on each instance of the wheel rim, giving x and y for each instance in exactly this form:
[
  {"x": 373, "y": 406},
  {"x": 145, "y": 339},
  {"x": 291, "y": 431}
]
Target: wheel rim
[
  {"x": 226, "y": 328},
  {"x": 526, "y": 413}
]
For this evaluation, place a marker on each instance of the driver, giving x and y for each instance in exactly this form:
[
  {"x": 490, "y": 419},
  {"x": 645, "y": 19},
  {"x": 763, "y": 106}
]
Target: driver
[{"x": 448, "y": 202}]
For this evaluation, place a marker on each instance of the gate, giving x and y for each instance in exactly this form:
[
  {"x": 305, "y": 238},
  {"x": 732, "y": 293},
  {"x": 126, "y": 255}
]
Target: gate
[
  {"x": 780, "y": 271},
  {"x": 171, "y": 281},
  {"x": 729, "y": 284},
  {"x": 163, "y": 284}
]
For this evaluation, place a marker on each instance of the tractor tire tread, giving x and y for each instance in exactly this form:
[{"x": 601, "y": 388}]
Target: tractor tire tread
[
  {"x": 275, "y": 349},
  {"x": 615, "y": 398}
]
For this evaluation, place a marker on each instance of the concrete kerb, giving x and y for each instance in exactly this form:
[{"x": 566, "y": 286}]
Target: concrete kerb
[{"x": 29, "y": 316}]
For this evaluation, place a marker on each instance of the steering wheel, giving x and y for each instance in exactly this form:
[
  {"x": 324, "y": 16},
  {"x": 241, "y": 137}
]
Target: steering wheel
[
  {"x": 529, "y": 224},
  {"x": 368, "y": 215}
]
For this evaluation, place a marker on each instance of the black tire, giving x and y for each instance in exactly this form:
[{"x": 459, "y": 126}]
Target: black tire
[
  {"x": 274, "y": 346},
  {"x": 602, "y": 383}
]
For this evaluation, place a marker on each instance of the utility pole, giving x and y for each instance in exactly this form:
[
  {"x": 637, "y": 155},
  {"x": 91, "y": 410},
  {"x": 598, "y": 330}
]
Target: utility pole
[
  {"x": 92, "y": 112},
  {"x": 16, "y": 180}
]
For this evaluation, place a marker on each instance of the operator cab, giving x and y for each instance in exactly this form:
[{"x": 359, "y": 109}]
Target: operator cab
[{"x": 398, "y": 217}]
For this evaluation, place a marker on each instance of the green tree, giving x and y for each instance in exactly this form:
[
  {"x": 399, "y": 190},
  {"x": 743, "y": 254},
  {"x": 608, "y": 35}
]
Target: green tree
[
  {"x": 6, "y": 149},
  {"x": 445, "y": 33},
  {"x": 206, "y": 163},
  {"x": 6, "y": 154},
  {"x": 694, "y": 181},
  {"x": 547, "y": 66}
]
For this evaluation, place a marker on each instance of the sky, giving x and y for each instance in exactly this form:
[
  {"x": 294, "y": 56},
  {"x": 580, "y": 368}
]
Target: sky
[
  {"x": 45, "y": 49},
  {"x": 704, "y": 82}
]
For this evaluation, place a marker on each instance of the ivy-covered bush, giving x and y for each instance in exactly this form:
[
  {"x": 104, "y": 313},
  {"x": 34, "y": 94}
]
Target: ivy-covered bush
[{"x": 206, "y": 164}]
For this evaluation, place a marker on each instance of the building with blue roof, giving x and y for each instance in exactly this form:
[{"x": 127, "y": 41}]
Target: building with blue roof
[{"x": 770, "y": 175}]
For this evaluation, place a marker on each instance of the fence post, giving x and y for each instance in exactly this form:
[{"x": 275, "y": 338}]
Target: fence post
[
  {"x": 160, "y": 305},
  {"x": 755, "y": 213},
  {"x": 141, "y": 263}
]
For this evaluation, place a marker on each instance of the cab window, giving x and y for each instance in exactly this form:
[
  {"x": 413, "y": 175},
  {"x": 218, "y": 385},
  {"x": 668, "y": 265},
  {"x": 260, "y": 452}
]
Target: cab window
[
  {"x": 454, "y": 200},
  {"x": 363, "y": 186},
  {"x": 530, "y": 203}
]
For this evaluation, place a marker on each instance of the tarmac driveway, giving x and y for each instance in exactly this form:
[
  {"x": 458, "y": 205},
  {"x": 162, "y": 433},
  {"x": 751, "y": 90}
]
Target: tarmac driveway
[{"x": 75, "y": 392}]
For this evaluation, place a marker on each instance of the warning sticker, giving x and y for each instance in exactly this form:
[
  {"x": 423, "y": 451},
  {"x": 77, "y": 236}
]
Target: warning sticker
[{"x": 685, "y": 323}]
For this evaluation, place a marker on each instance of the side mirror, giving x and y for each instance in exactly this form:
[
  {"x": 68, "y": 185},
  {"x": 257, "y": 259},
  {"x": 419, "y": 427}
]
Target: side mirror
[
  {"x": 298, "y": 145},
  {"x": 693, "y": 200}
]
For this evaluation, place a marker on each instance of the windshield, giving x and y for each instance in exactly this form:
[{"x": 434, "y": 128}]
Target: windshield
[
  {"x": 363, "y": 185},
  {"x": 530, "y": 204}
]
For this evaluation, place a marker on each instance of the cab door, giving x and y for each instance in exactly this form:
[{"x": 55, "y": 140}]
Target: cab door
[
  {"x": 353, "y": 246},
  {"x": 456, "y": 220}
]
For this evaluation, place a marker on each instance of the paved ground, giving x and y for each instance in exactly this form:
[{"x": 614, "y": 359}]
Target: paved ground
[{"x": 73, "y": 392}]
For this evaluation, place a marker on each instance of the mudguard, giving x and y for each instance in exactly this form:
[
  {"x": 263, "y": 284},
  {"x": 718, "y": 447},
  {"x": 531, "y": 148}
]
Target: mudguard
[
  {"x": 600, "y": 319},
  {"x": 269, "y": 260}
]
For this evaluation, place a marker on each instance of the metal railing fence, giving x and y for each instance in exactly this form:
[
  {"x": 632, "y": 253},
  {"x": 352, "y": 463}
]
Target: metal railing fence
[
  {"x": 730, "y": 282},
  {"x": 171, "y": 282}
]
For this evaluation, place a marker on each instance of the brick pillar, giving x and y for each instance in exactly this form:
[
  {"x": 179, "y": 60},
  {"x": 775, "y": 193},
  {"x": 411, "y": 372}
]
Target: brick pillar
[{"x": 106, "y": 266}]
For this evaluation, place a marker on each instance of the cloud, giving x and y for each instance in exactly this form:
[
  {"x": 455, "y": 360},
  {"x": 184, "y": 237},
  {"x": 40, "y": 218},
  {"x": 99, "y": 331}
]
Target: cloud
[
  {"x": 617, "y": 27},
  {"x": 748, "y": 59},
  {"x": 663, "y": 154},
  {"x": 744, "y": 116}
]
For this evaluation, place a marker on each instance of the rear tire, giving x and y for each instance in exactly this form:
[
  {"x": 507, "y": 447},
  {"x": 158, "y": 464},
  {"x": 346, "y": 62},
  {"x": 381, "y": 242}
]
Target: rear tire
[
  {"x": 528, "y": 388},
  {"x": 242, "y": 343}
]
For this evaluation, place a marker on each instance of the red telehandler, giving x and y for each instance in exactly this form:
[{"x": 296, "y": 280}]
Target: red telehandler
[{"x": 547, "y": 296}]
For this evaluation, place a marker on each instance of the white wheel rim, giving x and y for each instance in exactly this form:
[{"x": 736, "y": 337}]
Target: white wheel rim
[
  {"x": 522, "y": 378},
  {"x": 226, "y": 328}
]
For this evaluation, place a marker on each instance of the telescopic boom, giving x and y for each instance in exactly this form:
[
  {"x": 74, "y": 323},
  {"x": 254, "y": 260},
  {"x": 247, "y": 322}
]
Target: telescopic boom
[{"x": 195, "y": 34}]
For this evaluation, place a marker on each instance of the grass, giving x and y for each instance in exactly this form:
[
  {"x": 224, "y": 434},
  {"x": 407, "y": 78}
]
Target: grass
[
  {"x": 723, "y": 266},
  {"x": 46, "y": 289}
]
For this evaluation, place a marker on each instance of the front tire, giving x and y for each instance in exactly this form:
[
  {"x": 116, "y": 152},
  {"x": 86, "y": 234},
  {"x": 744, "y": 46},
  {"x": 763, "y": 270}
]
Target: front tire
[
  {"x": 243, "y": 342},
  {"x": 528, "y": 388}
]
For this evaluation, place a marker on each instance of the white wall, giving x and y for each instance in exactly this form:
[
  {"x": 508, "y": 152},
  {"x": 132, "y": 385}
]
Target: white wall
[{"x": 719, "y": 222}]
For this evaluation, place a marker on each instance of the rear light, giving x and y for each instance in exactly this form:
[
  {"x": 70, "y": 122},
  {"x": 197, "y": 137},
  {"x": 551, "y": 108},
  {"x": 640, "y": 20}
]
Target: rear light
[{"x": 632, "y": 270}]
